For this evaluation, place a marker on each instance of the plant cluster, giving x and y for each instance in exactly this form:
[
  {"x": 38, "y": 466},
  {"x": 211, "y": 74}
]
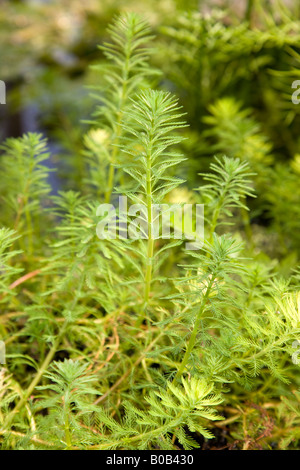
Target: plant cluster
[{"x": 138, "y": 343}]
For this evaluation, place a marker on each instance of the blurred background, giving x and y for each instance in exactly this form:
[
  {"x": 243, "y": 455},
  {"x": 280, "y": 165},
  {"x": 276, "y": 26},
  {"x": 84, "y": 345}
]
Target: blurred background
[{"x": 231, "y": 63}]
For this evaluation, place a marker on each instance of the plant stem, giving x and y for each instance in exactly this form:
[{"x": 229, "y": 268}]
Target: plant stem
[
  {"x": 67, "y": 428},
  {"x": 150, "y": 243},
  {"x": 249, "y": 10},
  {"x": 111, "y": 175},
  {"x": 123, "y": 98},
  {"x": 34, "y": 440},
  {"x": 127, "y": 373},
  {"x": 37, "y": 378},
  {"x": 194, "y": 333},
  {"x": 215, "y": 220}
]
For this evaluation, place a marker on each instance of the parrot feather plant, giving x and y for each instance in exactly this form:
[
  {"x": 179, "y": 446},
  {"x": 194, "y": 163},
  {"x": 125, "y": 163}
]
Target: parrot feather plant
[{"x": 134, "y": 342}]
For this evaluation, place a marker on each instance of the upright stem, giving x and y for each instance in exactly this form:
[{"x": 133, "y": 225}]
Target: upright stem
[
  {"x": 30, "y": 231},
  {"x": 67, "y": 427},
  {"x": 111, "y": 171},
  {"x": 150, "y": 243},
  {"x": 194, "y": 333},
  {"x": 215, "y": 219},
  {"x": 23, "y": 208},
  {"x": 110, "y": 183},
  {"x": 249, "y": 9}
]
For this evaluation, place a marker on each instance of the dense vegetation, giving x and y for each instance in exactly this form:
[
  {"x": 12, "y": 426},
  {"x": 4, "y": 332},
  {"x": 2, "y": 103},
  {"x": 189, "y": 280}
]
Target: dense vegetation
[{"x": 122, "y": 343}]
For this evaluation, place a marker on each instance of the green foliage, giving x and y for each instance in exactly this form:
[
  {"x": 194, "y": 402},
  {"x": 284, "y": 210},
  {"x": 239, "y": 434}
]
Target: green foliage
[
  {"x": 24, "y": 183},
  {"x": 126, "y": 71},
  {"x": 71, "y": 386},
  {"x": 229, "y": 186},
  {"x": 137, "y": 343},
  {"x": 170, "y": 411}
]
